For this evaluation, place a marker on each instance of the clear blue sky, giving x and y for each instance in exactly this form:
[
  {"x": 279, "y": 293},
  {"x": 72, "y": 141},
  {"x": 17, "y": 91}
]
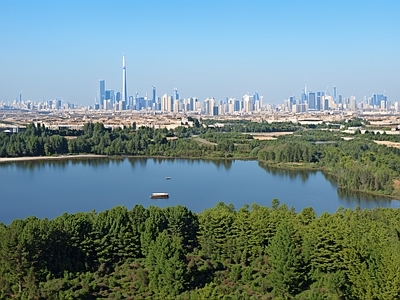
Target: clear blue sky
[{"x": 54, "y": 49}]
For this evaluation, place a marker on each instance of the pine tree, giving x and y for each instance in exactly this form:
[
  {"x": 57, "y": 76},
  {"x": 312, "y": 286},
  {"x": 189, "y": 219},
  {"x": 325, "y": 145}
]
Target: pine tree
[
  {"x": 286, "y": 275},
  {"x": 167, "y": 265}
]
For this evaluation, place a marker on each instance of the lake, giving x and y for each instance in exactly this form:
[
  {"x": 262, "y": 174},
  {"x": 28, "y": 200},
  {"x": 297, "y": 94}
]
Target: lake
[{"x": 47, "y": 189}]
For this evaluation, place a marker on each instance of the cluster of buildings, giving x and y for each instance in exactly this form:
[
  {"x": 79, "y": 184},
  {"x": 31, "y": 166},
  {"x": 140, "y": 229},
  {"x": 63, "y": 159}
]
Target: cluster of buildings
[
  {"x": 20, "y": 103},
  {"x": 308, "y": 102},
  {"x": 111, "y": 100},
  {"x": 250, "y": 103},
  {"x": 108, "y": 99},
  {"x": 324, "y": 101}
]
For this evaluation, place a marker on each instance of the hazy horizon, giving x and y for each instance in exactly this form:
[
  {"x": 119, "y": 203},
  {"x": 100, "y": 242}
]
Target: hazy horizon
[{"x": 62, "y": 49}]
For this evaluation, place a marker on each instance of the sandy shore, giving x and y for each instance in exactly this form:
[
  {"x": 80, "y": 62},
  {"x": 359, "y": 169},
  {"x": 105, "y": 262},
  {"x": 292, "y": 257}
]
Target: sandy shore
[{"x": 27, "y": 158}]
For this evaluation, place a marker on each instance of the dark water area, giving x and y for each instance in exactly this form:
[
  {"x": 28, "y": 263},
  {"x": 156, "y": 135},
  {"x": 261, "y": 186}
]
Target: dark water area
[{"x": 47, "y": 189}]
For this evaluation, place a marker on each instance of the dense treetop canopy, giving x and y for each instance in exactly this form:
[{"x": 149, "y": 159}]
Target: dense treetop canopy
[{"x": 255, "y": 252}]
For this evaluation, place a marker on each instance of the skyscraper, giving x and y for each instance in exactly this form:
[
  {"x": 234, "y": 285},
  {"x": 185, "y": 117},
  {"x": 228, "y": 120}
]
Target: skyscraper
[
  {"x": 154, "y": 95},
  {"x": 311, "y": 100},
  {"x": 334, "y": 93},
  {"x": 102, "y": 91},
  {"x": 124, "y": 99},
  {"x": 256, "y": 96},
  {"x": 248, "y": 102},
  {"x": 318, "y": 105}
]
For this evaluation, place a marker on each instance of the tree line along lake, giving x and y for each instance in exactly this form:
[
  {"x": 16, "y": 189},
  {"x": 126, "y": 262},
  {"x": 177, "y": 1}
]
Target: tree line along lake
[{"x": 49, "y": 188}]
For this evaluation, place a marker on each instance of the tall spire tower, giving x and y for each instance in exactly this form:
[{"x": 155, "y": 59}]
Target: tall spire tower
[{"x": 124, "y": 98}]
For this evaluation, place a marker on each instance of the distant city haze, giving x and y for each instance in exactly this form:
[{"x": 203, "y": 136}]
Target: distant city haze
[{"x": 206, "y": 49}]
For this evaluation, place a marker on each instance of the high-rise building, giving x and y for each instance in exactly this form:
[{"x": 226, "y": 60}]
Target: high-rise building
[
  {"x": 58, "y": 104},
  {"x": 215, "y": 111},
  {"x": 176, "y": 94},
  {"x": 318, "y": 103},
  {"x": 166, "y": 103},
  {"x": 131, "y": 102},
  {"x": 257, "y": 101},
  {"x": 124, "y": 88},
  {"x": 106, "y": 104},
  {"x": 211, "y": 106},
  {"x": 208, "y": 105},
  {"x": 311, "y": 100},
  {"x": 377, "y": 99},
  {"x": 292, "y": 101},
  {"x": 231, "y": 105},
  {"x": 176, "y": 106},
  {"x": 139, "y": 102},
  {"x": 237, "y": 104},
  {"x": 154, "y": 95},
  {"x": 248, "y": 102},
  {"x": 117, "y": 96},
  {"x": 303, "y": 97},
  {"x": 191, "y": 104},
  {"x": 384, "y": 105},
  {"x": 353, "y": 103},
  {"x": 102, "y": 90},
  {"x": 334, "y": 93},
  {"x": 256, "y": 96},
  {"x": 107, "y": 95},
  {"x": 325, "y": 101}
]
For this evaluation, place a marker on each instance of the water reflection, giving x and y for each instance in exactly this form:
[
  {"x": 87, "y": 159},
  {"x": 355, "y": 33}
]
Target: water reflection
[
  {"x": 157, "y": 160},
  {"x": 60, "y": 164},
  {"x": 331, "y": 178},
  {"x": 34, "y": 165},
  {"x": 92, "y": 162},
  {"x": 142, "y": 161},
  {"x": 139, "y": 161},
  {"x": 360, "y": 198},
  {"x": 292, "y": 174},
  {"x": 226, "y": 164},
  {"x": 351, "y": 198}
]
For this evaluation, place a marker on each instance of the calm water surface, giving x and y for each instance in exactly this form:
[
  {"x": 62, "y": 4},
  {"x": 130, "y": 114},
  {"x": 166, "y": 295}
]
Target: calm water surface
[{"x": 47, "y": 189}]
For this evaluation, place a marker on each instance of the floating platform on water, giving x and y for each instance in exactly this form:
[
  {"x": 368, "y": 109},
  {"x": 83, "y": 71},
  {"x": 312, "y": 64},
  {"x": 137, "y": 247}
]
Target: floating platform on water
[{"x": 159, "y": 196}]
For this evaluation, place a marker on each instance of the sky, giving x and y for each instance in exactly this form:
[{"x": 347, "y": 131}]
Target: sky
[{"x": 221, "y": 49}]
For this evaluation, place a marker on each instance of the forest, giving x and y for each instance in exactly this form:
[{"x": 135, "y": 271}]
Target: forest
[
  {"x": 356, "y": 161},
  {"x": 255, "y": 252}
]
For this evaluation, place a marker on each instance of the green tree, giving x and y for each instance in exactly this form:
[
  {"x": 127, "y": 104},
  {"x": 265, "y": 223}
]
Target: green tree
[
  {"x": 167, "y": 265},
  {"x": 287, "y": 277}
]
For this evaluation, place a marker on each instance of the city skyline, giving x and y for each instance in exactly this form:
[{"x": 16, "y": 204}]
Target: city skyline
[
  {"x": 206, "y": 49},
  {"x": 110, "y": 99},
  {"x": 309, "y": 100}
]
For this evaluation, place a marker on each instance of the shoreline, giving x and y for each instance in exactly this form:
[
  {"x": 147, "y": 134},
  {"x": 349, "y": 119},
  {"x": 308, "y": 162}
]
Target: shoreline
[
  {"x": 78, "y": 156},
  {"x": 297, "y": 167},
  {"x": 308, "y": 168},
  {"x": 30, "y": 158}
]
